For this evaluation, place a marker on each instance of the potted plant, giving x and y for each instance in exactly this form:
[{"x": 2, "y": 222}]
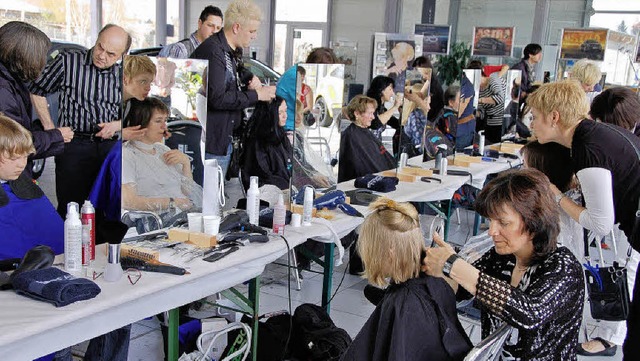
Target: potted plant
[{"x": 449, "y": 67}]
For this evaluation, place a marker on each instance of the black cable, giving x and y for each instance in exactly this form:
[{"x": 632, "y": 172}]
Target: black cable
[
  {"x": 346, "y": 267},
  {"x": 286, "y": 345}
]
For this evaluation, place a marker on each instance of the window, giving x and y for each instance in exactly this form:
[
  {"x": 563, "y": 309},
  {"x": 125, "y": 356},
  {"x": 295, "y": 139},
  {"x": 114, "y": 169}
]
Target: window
[
  {"x": 620, "y": 15},
  {"x": 137, "y": 17},
  {"x": 302, "y": 10}
]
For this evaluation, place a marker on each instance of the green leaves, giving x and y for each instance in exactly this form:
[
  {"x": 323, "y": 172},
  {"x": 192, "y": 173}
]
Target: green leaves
[{"x": 449, "y": 67}]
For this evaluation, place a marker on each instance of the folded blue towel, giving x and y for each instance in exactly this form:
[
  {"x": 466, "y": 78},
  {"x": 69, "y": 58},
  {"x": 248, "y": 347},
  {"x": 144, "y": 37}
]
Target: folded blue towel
[
  {"x": 376, "y": 183},
  {"x": 54, "y": 286}
]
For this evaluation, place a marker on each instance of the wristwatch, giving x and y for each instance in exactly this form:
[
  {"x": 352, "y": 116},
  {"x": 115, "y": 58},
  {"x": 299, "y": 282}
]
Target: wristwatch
[
  {"x": 559, "y": 198},
  {"x": 448, "y": 265},
  {"x": 172, "y": 203}
]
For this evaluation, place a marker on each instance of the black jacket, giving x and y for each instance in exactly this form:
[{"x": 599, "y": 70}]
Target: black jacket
[
  {"x": 361, "y": 153},
  {"x": 415, "y": 321},
  {"x": 270, "y": 162},
  {"x": 225, "y": 100},
  {"x": 15, "y": 102}
]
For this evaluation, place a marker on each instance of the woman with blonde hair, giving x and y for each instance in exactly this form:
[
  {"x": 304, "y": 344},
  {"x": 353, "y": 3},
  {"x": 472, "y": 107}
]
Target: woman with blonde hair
[
  {"x": 588, "y": 74},
  {"x": 606, "y": 163},
  {"x": 416, "y": 318}
]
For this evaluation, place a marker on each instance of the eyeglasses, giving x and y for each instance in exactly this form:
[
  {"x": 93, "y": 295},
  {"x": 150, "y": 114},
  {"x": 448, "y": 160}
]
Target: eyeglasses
[{"x": 133, "y": 275}]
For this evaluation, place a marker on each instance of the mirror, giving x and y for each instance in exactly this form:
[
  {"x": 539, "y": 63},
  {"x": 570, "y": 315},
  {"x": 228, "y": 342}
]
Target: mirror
[
  {"x": 512, "y": 96},
  {"x": 316, "y": 138},
  {"x": 162, "y": 170},
  {"x": 469, "y": 90},
  {"x": 414, "y": 114},
  {"x": 393, "y": 54}
]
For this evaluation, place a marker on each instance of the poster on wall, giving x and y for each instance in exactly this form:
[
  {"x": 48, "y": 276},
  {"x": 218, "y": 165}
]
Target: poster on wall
[
  {"x": 493, "y": 41},
  {"x": 436, "y": 38},
  {"x": 583, "y": 43},
  {"x": 393, "y": 54}
]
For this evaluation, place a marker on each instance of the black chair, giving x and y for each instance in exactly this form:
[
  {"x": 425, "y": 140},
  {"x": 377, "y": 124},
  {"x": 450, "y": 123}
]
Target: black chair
[{"x": 186, "y": 136}]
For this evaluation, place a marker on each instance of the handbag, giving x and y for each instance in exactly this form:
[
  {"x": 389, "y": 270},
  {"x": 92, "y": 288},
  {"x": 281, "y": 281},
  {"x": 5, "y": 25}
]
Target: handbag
[{"x": 607, "y": 288}]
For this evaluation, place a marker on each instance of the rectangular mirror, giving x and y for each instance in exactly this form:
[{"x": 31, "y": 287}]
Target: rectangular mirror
[
  {"x": 469, "y": 90},
  {"x": 162, "y": 170},
  {"x": 316, "y": 138},
  {"x": 512, "y": 96},
  {"x": 414, "y": 110}
]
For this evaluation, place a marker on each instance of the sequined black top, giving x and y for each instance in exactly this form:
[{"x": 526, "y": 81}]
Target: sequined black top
[{"x": 547, "y": 314}]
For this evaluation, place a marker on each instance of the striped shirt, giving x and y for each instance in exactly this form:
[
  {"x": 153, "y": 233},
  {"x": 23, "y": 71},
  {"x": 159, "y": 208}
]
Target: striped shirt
[
  {"x": 495, "y": 91},
  {"x": 182, "y": 49},
  {"x": 87, "y": 95}
]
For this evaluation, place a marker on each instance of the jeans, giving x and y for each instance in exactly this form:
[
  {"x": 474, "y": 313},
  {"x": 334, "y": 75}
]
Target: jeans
[
  {"x": 223, "y": 160},
  {"x": 112, "y": 346}
]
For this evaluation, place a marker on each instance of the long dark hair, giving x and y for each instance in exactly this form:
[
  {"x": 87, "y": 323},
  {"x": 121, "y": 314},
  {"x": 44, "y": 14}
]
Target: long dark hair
[
  {"x": 264, "y": 121},
  {"x": 552, "y": 159},
  {"x": 619, "y": 106},
  {"x": 23, "y": 49},
  {"x": 377, "y": 86}
]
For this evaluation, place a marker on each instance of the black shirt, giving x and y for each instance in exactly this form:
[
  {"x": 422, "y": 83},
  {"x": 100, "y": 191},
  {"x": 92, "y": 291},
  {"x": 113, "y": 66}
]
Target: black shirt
[{"x": 598, "y": 145}]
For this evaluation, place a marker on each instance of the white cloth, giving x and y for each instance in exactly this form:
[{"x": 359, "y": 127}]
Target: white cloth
[
  {"x": 150, "y": 174},
  {"x": 597, "y": 190}
]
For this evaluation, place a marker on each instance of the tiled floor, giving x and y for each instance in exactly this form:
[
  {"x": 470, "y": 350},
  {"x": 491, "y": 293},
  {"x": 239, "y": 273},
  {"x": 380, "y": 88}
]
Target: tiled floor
[{"x": 349, "y": 308}]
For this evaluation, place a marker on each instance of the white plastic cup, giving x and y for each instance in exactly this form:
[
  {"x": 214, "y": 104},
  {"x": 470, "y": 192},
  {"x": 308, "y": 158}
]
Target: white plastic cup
[
  {"x": 296, "y": 220},
  {"x": 195, "y": 222},
  {"x": 211, "y": 224}
]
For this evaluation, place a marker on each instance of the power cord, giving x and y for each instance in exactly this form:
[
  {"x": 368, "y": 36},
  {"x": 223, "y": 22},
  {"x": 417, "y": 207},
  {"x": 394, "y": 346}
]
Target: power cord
[{"x": 286, "y": 345}]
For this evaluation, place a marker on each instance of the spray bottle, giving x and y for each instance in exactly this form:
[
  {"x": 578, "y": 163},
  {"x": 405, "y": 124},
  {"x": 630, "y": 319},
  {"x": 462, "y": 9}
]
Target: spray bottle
[
  {"x": 72, "y": 239},
  {"x": 307, "y": 210},
  {"x": 279, "y": 216},
  {"x": 88, "y": 219},
  {"x": 253, "y": 201}
]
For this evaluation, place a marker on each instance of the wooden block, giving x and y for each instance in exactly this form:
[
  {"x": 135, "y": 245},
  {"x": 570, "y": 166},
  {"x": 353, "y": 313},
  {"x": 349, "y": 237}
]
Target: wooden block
[
  {"x": 512, "y": 148},
  {"x": 468, "y": 158},
  {"x": 458, "y": 162},
  {"x": 144, "y": 254},
  {"x": 418, "y": 172},
  {"x": 299, "y": 208},
  {"x": 347, "y": 200},
  {"x": 178, "y": 234},
  {"x": 202, "y": 240},
  {"x": 402, "y": 177}
]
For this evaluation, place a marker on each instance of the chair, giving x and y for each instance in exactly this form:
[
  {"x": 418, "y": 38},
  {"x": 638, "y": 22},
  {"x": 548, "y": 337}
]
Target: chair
[{"x": 186, "y": 136}]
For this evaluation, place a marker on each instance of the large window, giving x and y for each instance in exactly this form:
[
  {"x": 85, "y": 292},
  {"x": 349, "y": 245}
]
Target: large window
[
  {"x": 60, "y": 20},
  {"x": 137, "y": 17},
  {"x": 619, "y": 15}
]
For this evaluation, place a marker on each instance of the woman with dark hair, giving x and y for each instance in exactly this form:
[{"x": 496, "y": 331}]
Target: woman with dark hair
[
  {"x": 619, "y": 106},
  {"x": 23, "y": 55},
  {"x": 361, "y": 153},
  {"x": 381, "y": 90},
  {"x": 525, "y": 280},
  {"x": 154, "y": 177},
  {"x": 268, "y": 151},
  {"x": 435, "y": 89}
]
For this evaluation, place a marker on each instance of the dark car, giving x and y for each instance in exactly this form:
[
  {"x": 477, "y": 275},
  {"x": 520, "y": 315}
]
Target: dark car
[
  {"x": 490, "y": 46},
  {"x": 592, "y": 48}
]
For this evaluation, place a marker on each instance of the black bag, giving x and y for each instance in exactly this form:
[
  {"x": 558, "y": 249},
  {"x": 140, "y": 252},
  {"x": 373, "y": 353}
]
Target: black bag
[
  {"x": 607, "y": 288},
  {"x": 315, "y": 337},
  {"x": 431, "y": 139}
]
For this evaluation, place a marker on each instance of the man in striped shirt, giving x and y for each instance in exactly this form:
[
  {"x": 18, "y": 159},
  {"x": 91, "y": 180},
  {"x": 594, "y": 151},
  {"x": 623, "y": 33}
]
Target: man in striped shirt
[
  {"x": 90, "y": 87},
  {"x": 209, "y": 23}
]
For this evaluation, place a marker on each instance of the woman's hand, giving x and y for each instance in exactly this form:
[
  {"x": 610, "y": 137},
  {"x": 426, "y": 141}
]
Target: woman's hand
[
  {"x": 183, "y": 203},
  {"x": 554, "y": 190},
  {"x": 175, "y": 156},
  {"x": 133, "y": 133},
  {"x": 436, "y": 257},
  {"x": 67, "y": 134}
]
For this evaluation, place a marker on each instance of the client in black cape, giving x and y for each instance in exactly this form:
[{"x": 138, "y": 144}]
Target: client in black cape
[
  {"x": 416, "y": 318},
  {"x": 361, "y": 153}
]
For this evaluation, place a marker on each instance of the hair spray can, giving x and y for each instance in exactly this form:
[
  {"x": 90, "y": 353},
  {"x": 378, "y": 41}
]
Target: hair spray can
[
  {"x": 72, "y": 239},
  {"x": 88, "y": 218},
  {"x": 443, "y": 166}
]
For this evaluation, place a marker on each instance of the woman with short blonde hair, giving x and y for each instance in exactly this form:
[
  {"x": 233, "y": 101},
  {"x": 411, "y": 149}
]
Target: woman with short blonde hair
[
  {"x": 587, "y": 73},
  {"x": 416, "y": 318},
  {"x": 608, "y": 169}
]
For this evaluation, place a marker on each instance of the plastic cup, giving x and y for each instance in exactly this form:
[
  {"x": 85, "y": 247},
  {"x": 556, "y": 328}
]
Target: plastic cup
[
  {"x": 296, "y": 220},
  {"x": 195, "y": 222},
  {"x": 211, "y": 224}
]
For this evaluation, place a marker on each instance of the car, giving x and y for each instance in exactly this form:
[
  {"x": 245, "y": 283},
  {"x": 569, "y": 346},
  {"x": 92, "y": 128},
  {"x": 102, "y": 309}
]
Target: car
[
  {"x": 490, "y": 46},
  {"x": 592, "y": 48},
  {"x": 329, "y": 94}
]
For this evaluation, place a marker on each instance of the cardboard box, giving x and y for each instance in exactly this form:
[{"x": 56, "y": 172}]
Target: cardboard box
[{"x": 202, "y": 240}]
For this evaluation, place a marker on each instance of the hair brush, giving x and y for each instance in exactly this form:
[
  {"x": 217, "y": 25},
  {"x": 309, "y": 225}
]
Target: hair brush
[{"x": 129, "y": 262}]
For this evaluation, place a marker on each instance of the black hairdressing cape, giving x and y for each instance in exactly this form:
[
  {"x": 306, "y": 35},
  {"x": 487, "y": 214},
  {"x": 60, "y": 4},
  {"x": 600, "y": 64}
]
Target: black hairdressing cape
[
  {"x": 416, "y": 320},
  {"x": 361, "y": 153}
]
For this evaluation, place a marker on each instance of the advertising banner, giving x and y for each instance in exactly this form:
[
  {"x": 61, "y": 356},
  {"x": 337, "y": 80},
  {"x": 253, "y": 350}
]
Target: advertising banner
[
  {"x": 436, "y": 38},
  {"x": 583, "y": 43},
  {"x": 493, "y": 41}
]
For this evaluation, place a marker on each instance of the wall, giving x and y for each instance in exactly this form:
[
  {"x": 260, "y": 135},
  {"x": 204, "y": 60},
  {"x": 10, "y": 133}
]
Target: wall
[{"x": 194, "y": 8}]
